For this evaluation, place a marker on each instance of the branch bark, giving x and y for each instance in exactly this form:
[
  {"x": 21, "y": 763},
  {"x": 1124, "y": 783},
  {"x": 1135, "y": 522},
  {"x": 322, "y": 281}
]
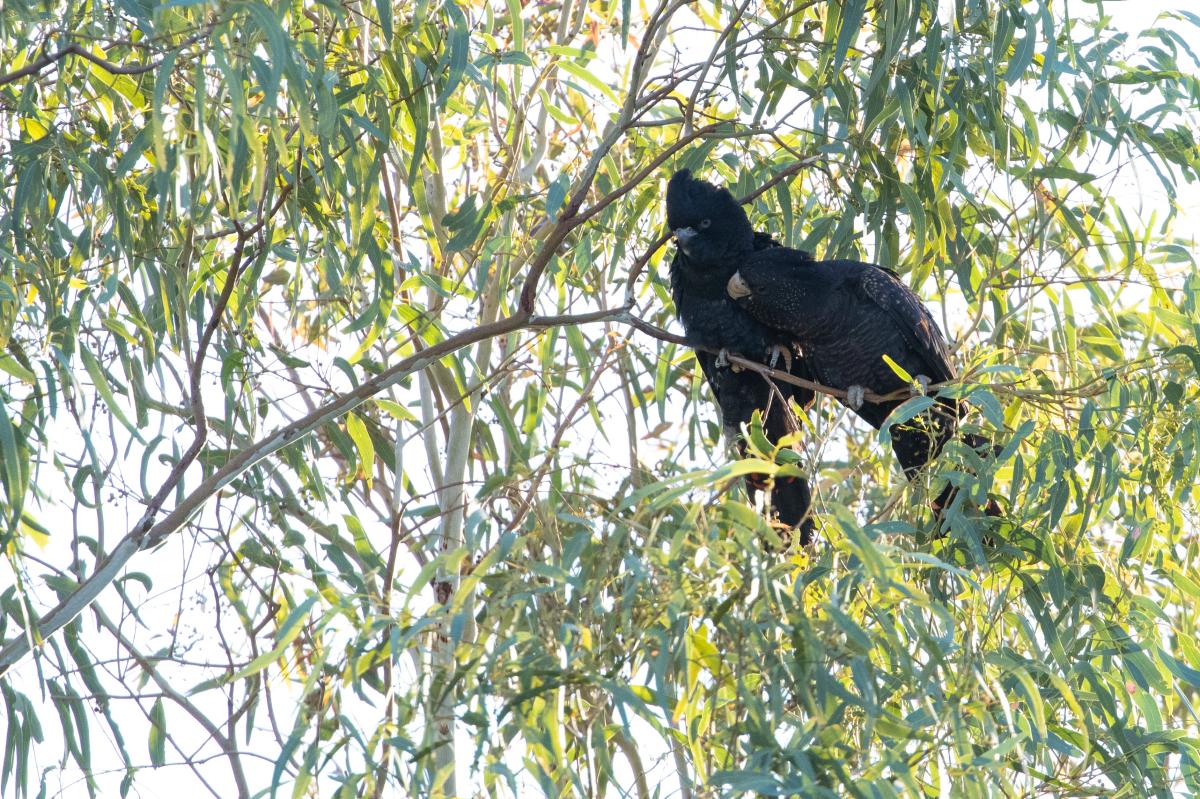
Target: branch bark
[
  {"x": 37, "y": 65},
  {"x": 143, "y": 536}
]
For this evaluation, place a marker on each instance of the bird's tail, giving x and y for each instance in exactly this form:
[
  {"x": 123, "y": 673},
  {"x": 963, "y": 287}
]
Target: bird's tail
[
  {"x": 791, "y": 503},
  {"x": 986, "y": 449}
]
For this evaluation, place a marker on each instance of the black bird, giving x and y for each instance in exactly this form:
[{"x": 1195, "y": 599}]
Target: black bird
[
  {"x": 714, "y": 239},
  {"x": 846, "y": 316}
]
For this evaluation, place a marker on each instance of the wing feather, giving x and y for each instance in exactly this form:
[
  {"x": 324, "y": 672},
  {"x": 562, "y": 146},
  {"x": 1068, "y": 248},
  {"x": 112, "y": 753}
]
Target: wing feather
[{"x": 911, "y": 318}]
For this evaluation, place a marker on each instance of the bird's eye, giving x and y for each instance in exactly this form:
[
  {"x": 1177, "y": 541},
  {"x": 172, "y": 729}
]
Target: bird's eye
[{"x": 705, "y": 223}]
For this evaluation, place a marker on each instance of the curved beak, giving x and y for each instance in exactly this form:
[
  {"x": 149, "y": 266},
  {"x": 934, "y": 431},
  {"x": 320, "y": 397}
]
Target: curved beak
[
  {"x": 684, "y": 235},
  {"x": 737, "y": 287}
]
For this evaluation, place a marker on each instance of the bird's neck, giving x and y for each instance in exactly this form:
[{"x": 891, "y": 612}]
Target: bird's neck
[{"x": 705, "y": 282}]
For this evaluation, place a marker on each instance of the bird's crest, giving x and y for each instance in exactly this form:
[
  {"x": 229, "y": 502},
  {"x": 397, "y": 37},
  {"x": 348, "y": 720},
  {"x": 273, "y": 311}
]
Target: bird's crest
[{"x": 690, "y": 200}]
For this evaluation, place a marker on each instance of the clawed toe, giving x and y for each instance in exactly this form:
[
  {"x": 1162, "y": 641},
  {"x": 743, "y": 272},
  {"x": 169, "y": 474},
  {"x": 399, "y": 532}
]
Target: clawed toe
[
  {"x": 777, "y": 352},
  {"x": 854, "y": 397},
  {"x": 723, "y": 361}
]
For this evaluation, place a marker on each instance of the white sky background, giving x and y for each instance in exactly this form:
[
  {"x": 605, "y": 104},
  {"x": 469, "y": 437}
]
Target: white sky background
[{"x": 170, "y": 563}]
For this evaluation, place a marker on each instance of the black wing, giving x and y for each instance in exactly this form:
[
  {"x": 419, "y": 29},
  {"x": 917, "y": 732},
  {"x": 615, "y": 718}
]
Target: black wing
[
  {"x": 827, "y": 301},
  {"x": 765, "y": 241},
  {"x": 911, "y": 319}
]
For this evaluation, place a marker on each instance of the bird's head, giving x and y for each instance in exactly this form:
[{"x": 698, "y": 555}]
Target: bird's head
[{"x": 709, "y": 225}]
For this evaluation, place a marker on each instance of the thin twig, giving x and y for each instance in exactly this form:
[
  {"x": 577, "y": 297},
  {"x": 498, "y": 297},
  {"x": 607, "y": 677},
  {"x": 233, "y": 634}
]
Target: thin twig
[
  {"x": 40, "y": 64},
  {"x": 228, "y": 745},
  {"x": 145, "y": 534},
  {"x": 199, "y": 419},
  {"x": 762, "y": 369}
]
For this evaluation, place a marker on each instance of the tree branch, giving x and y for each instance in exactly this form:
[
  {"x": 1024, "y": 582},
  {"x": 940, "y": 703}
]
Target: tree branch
[
  {"x": 228, "y": 745},
  {"x": 754, "y": 366},
  {"x": 144, "y": 536},
  {"x": 40, "y": 64}
]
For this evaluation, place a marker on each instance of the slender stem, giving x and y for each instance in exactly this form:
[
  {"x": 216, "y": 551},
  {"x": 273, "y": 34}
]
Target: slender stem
[
  {"x": 228, "y": 745},
  {"x": 39, "y": 64},
  {"x": 635, "y": 763}
]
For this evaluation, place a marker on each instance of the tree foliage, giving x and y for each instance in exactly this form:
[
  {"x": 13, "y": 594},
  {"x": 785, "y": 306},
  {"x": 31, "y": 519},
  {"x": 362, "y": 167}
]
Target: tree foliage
[{"x": 345, "y": 449}]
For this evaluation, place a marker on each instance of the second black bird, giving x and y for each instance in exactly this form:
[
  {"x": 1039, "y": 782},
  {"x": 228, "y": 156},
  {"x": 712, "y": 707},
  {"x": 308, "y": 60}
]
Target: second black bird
[
  {"x": 847, "y": 316},
  {"x": 714, "y": 238}
]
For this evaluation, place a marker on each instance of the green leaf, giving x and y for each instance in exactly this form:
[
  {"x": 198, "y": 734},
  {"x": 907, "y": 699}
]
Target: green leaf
[
  {"x": 1023, "y": 55},
  {"x": 292, "y": 626},
  {"x": 852, "y": 20},
  {"x": 362, "y": 442},
  {"x": 100, "y": 381},
  {"x": 466, "y": 224},
  {"x": 590, "y": 79},
  {"x": 516, "y": 24},
  {"x": 11, "y": 366},
  {"x": 1064, "y": 173},
  {"x": 856, "y": 637},
  {"x": 397, "y": 411},
  {"x": 898, "y": 369},
  {"x": 14, "y": 458},
  {"x": 384, "y": 9},
  {"x": 158, "y": 733},
  {"x": 1181, "y": 670},
  {"x": 556, "y": 194},
  {"x": 516, "y": 57},
  {"x": 458, "y": 49}
]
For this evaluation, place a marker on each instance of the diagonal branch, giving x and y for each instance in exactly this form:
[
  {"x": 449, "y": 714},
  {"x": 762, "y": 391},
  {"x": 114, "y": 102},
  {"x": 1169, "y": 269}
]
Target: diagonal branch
[
  {"x": 37, "y": 65},
  {"x": 199, "y": 418},
  {"x": 227, "y": 744},
  {"x": 148, "y": 533},
  {"x": 144, "y": 536}
]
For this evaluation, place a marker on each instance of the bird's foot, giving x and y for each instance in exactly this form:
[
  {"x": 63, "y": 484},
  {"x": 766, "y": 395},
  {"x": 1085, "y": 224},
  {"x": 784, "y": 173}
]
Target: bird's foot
[
  {"x": 723, "y": 361},
  {"x": 737, "y": 287},
  {"x": 776, "y": 352},
  {"x": 922, "y": 381},
  {"x": 854, "y": 397}
]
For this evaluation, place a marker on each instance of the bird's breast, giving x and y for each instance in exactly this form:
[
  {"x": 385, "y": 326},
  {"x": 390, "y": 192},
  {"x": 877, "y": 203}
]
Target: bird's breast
[{"x": 720, "y": 324}]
